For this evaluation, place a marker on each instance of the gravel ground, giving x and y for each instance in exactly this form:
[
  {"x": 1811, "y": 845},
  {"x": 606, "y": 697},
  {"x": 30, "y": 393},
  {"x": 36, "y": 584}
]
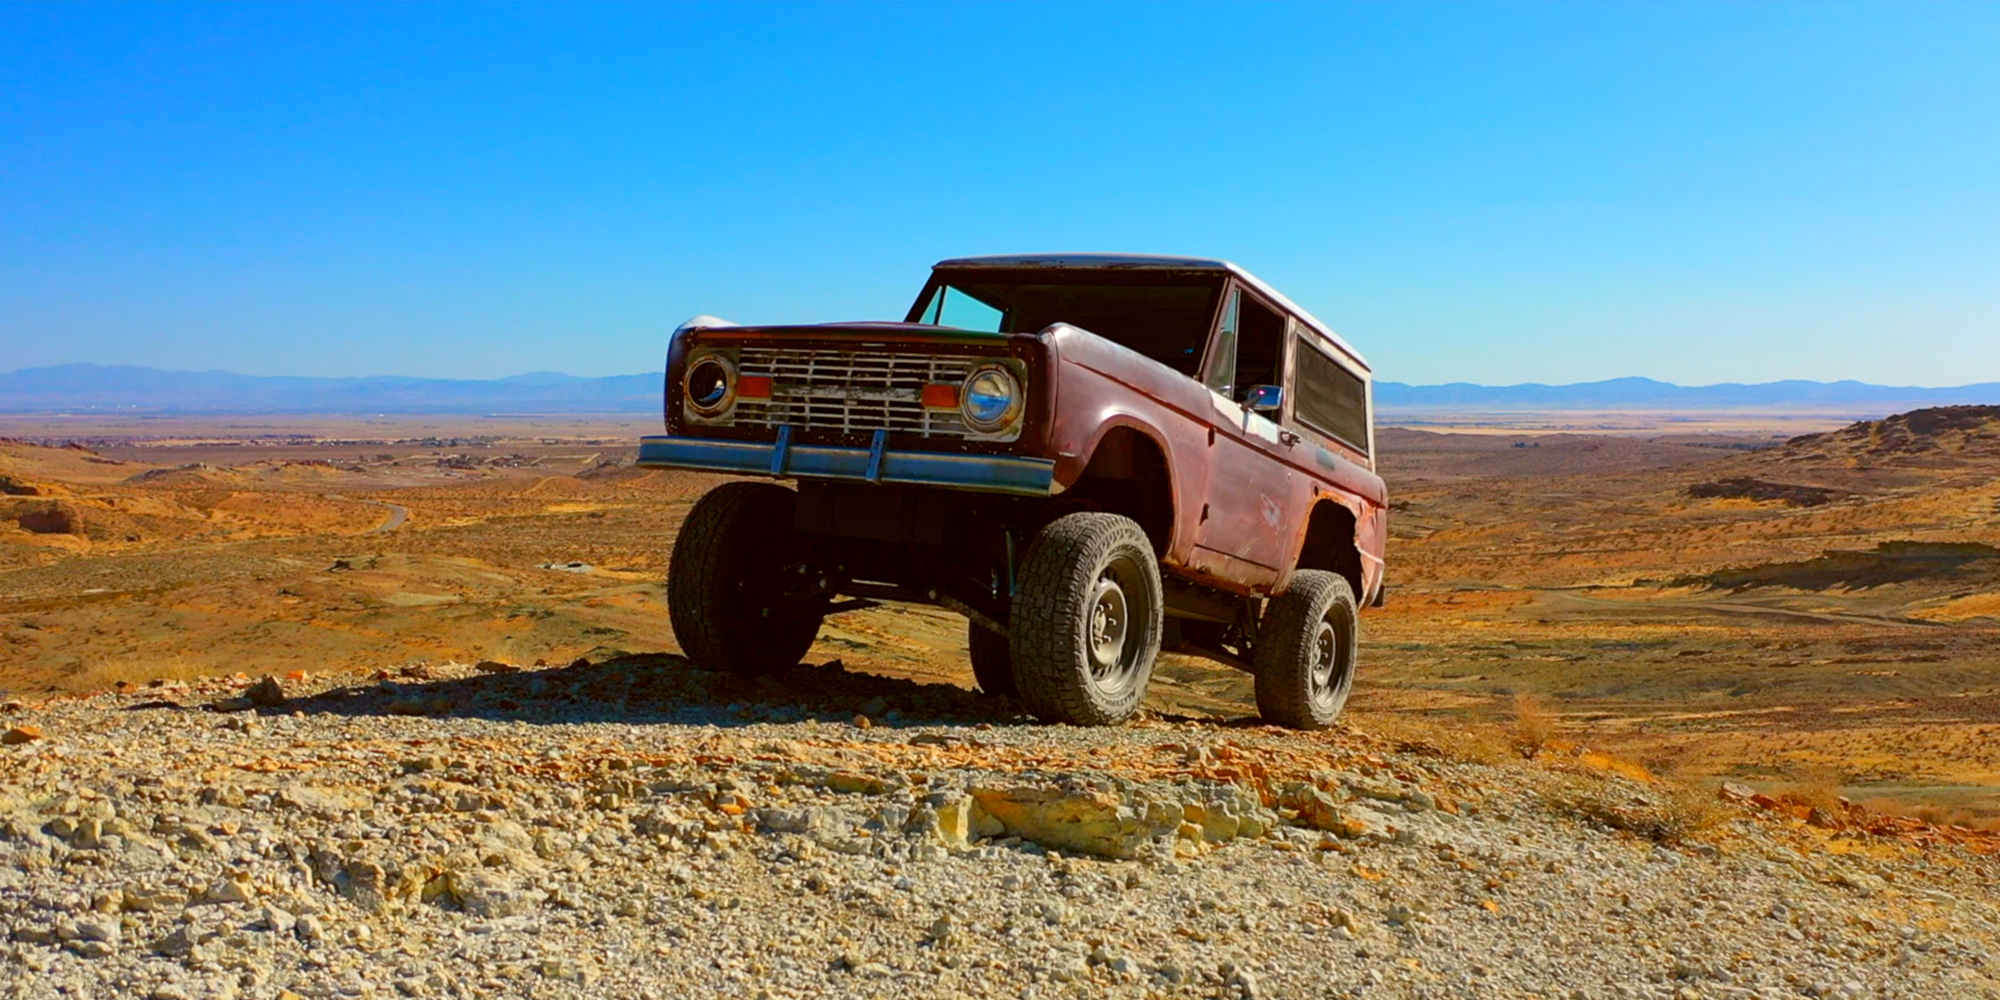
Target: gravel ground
[{"x": 634, "y": 828}]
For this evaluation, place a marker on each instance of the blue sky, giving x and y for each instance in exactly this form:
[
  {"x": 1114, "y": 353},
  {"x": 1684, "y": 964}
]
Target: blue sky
[{"x": 1485, "y": 193}]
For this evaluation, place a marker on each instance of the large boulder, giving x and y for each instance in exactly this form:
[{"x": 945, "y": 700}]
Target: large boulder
[
  {"x": 12, "y": 487},
  {"x": 53, "y": 519},
  {"x": 1104, "y": 821}
]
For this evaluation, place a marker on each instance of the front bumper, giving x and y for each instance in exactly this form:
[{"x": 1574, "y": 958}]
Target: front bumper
[{"x": 1029, "y": 477}]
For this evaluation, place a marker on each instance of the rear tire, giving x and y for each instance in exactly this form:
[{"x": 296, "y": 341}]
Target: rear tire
[
  {"x": 992, "y": 661},
  {"x": 728, "y": 577},
  {"x": 1085, "y": 627},
  {"x": 1306, "y": 648}
]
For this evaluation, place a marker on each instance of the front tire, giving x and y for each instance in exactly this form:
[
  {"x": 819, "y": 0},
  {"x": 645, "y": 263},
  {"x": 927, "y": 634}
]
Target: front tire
[
  {"x": 1085, "y": 627},
  {"x": 727, "y": 582},
  {"x": 992, "y": 660},
  {"x": 1306, "y": 650}
]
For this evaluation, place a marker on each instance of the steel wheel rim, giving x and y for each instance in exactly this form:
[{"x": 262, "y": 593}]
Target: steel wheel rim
[
  {"x": 1327, "y": 677},
  {"x": 1113, "y": 627},
  {"x": 1110, "y": 619},
  {"x": 1323, "y": 653}
]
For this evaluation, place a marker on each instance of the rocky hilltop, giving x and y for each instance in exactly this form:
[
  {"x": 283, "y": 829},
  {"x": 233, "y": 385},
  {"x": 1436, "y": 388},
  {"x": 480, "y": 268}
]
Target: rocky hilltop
[
  {"x": 1929, "y": 437},
  {"x": 634, "y": 828}
]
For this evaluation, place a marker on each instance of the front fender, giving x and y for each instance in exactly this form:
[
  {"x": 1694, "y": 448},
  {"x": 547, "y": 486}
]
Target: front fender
[{"x": 1104, "y": 387}]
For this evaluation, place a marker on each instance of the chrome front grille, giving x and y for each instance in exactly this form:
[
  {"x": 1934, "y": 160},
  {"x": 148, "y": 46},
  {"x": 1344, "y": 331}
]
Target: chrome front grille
[{"x": 856, "y": 392}]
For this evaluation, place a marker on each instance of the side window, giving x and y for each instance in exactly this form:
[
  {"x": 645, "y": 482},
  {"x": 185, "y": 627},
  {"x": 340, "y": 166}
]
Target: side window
[
  {"x": 1330, "y": 399},
  {"x": 1249, "y": 348}
]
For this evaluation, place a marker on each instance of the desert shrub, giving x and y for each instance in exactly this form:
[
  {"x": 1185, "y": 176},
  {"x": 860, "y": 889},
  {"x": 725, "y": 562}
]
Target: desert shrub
[
  {"x": 1533, "y": 726},
  {"x": 1688, "y": 811},
  {"x": 1814, "y": 785},
  {"x": 1680, "y": 815}
]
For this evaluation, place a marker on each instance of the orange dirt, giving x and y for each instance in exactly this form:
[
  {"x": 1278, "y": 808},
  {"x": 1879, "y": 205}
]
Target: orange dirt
[{"x": 1701, "y": 636}]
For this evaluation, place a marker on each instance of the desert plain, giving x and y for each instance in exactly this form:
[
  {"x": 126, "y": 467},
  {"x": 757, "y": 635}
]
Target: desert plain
[
  {"x": 390, "y": 706},
  {"x": 1712, "y": 598}
]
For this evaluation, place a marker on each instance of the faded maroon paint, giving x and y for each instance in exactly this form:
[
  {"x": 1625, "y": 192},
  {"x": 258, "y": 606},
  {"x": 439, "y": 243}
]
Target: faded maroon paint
[
  {"x": 1249, "y": 544},
  {"x": 1241, "y": 502}
]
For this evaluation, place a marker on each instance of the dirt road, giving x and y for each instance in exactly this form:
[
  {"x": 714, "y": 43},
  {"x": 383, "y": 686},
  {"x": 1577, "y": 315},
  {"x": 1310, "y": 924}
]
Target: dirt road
[{"x": 398, "y": 514}]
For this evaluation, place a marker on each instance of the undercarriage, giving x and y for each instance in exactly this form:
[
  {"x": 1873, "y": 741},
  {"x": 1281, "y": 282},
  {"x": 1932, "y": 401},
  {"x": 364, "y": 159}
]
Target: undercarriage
[
  {"x": 1066, "y": 605},
  {"x": 962, "y": 551}
]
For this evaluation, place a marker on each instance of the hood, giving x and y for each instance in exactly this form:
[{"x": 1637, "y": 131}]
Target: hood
[{"x": 707, "y": 328}]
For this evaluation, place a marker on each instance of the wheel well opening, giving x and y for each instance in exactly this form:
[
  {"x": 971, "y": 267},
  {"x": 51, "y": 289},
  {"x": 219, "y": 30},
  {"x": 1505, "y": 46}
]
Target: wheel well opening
[
  {"x": 1128, "y": 475},
  {"x": 1330, "y": 544}
]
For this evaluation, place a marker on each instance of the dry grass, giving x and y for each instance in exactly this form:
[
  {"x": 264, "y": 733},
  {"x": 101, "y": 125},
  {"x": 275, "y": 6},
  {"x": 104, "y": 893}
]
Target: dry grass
[
  {"x": 1816, "y": 786},
  {"x": 1667, "y": 761},
  {"x": 1684, "y": 813},
  {"x": 1934, "y": 813},
  {"x": 107, "y": 674},
  {"x": 1691, "y": 810},
  {"x": 1533, "y": 728},
  {"x": 1450, "y": 739}
]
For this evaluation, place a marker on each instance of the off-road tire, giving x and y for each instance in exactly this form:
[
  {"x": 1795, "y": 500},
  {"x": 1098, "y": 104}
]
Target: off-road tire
[
  {"x": 1306, "y": 648},
  {"x": 992, "y": 660},
  {"x": 1084, "y": 652},
  {"x": 725, "y": 582}
]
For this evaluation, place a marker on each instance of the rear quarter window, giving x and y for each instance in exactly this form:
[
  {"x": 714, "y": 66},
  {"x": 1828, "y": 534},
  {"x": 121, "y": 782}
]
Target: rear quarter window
[{"x": 1330, "y": 399}]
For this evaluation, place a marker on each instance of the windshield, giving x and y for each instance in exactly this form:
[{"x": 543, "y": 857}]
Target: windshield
[{"x": 1163, "y": 315}]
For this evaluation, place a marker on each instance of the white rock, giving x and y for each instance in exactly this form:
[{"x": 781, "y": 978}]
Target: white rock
[
  {"x": 233, "y": 889},
  {"x": 94, "y": 929}
]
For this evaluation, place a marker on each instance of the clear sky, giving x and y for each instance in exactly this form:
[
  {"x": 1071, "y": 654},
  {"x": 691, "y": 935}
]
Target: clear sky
[{"x": 1486, "y": 193}]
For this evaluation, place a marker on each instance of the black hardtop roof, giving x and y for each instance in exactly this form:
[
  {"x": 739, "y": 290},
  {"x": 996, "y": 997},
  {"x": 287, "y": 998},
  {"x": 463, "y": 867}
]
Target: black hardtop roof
[{"x": 1152, "y": 262}]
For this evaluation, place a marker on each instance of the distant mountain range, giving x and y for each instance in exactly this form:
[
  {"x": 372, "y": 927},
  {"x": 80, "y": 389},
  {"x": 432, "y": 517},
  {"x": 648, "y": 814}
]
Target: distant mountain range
[
  {"x": 1859, "y": 398},
  {"x": 85, "y": 388}
]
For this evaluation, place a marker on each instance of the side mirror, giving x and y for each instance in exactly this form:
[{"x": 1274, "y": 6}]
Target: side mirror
[{"x": 1264, "y": 399}]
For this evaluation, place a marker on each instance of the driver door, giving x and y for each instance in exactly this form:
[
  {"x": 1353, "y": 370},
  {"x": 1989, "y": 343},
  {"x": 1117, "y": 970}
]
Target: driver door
[{"x": 1246, "y": 531}]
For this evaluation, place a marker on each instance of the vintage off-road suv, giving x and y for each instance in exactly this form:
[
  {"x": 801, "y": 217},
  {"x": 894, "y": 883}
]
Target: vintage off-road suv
[{"x": 1087, "y": 455}]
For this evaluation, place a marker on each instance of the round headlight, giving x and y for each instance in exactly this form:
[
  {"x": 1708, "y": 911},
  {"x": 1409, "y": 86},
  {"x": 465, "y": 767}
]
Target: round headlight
[
  {"x": 709, "y": 385},
  {"x": 991, "y": 399}
]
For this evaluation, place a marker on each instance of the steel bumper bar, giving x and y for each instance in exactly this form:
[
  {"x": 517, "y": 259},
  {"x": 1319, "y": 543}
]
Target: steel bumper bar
[{"x": 876, "y": 464}]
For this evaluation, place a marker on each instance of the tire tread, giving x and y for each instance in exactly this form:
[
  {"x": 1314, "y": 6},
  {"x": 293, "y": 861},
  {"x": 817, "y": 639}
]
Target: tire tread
[
  {"x": 1056, "y": 578},
  {"x": 1284, "y": 694},
  {"x": 704, "y": 549},
  {"x": 992, "y": 660}
]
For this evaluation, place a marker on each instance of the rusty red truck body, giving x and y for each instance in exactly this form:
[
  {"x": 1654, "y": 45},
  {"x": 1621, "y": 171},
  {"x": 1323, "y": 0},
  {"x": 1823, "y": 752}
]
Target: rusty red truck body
[{"x": 1090, "y": 456}]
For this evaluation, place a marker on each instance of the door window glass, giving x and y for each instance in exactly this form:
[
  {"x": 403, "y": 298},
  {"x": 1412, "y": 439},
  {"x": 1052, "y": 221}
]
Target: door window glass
[
  {"x": 1260, "y": 348},
  {"x": 1222, "y": 363}
]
